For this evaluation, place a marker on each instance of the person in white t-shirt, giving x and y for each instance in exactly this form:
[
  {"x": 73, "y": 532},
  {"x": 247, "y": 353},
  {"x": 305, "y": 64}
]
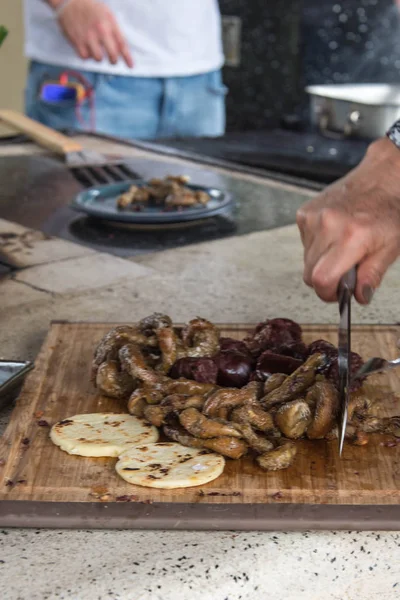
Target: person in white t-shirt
[{"x": 154, "y": 65}]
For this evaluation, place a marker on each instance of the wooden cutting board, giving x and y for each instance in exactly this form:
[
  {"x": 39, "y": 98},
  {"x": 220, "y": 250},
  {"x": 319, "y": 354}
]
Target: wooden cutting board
[{"x": 41, "y": 485}]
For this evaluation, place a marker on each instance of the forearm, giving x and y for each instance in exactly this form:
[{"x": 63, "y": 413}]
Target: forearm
[{"x": 383, "y": 158}]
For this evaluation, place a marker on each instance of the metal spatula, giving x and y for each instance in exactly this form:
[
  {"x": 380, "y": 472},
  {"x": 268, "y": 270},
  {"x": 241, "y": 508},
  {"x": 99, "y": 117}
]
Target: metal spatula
[{"x": 90, "y": 168}]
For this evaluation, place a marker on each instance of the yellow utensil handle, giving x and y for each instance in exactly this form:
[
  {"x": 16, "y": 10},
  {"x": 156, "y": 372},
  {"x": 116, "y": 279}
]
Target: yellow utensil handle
[{"x": 44, "y": 136}]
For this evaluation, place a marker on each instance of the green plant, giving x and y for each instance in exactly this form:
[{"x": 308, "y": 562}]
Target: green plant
[{"x": 3, "y": 34}]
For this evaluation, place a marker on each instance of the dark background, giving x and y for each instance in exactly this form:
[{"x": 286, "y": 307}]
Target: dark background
[{"x": 287, "y": 44}]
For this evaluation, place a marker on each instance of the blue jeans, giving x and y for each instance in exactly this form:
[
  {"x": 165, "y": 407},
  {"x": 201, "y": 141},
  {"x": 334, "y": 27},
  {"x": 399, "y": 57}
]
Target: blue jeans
[{"x": 135, "y": 107}]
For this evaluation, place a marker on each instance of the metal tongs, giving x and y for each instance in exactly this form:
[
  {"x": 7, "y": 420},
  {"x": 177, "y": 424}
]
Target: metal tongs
[{"x": 345, "y": 292}]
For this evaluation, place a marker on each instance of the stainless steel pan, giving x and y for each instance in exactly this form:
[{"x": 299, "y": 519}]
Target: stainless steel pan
[{"x": 364, "y": 110}]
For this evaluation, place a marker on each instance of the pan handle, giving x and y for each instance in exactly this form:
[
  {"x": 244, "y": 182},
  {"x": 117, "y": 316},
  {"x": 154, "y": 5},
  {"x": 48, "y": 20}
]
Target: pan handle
[
  {"x": 42, "y": 135},
  {"x": 352, "y": 123}
]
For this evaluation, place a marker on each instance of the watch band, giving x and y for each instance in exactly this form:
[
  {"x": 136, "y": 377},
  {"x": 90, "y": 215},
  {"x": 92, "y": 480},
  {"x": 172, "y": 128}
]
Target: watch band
[
  {"x": 63, "y": 4},
  {"x": 393, "y": 133}
]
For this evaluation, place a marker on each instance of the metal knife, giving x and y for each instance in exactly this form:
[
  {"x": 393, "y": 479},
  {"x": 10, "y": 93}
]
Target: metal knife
[{"x": 345, "y": 292}]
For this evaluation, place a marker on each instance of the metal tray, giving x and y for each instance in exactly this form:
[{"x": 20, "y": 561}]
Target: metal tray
[
  {"x": 12, "y": 374},
  {"x": 100, "y": 202}
]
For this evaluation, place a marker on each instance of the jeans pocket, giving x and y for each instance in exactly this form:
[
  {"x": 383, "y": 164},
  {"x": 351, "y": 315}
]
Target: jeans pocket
[
  {"x": 215, "y": 84},
  {"x": 59, "y": 115},
  {"x": 220, "y": 90}
]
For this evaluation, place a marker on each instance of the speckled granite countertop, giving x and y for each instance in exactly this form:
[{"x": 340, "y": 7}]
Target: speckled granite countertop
[{"x": 239, "y": 279}]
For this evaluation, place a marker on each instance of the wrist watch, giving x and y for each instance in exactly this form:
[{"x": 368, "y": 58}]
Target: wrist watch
[
  {"x": 60, "y": 7},
  {"x": 393, "y": 133}
]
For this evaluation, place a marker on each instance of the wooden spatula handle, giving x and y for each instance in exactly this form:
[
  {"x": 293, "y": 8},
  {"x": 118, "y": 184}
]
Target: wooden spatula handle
[{"x": 45, "y": 136}]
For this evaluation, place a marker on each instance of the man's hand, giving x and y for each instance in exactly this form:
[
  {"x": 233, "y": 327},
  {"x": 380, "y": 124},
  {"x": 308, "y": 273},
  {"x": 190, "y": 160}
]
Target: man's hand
[
  {"x": 92, "y": 30},
  {"x": 355, "y": 221}
]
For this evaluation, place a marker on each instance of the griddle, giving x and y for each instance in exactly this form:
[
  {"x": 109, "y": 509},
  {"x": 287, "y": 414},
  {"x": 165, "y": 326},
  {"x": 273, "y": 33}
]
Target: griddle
[
  {"x": 37, "y": 191},
  {"x": 303, "y": 154}
]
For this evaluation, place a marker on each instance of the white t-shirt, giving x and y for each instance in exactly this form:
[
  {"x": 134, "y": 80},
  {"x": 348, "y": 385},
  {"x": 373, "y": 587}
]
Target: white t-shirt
[{"x": 168, "y": 38}]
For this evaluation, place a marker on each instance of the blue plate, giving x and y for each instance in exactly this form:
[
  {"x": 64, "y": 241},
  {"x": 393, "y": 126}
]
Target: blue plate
[{"x": 101, "y": 202}]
